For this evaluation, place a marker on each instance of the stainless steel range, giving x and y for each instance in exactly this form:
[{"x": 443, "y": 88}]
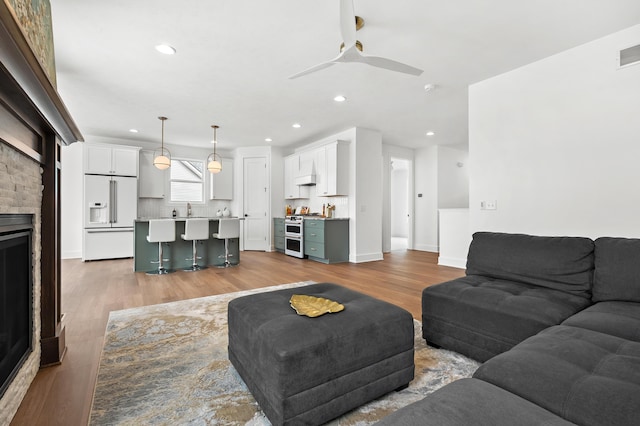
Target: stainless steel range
[{"x": 294, "y": 236}]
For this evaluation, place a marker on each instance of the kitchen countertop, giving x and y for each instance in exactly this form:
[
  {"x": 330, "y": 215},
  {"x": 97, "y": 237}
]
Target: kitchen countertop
[
  {"x": 147, "y": 219},
  {"x": 317, "y": 218},
  {"x": 324, "y": 218}
]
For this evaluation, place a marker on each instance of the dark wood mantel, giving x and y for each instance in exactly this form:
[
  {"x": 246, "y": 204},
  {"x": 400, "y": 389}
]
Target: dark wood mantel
[{"x": 35, "y": 121}]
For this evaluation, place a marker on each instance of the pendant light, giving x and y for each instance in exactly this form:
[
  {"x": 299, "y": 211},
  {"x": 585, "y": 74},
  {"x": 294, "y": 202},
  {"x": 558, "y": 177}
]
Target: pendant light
[
  {"x": 213, "y": 160},
  {"x": 162, "y": 157}
]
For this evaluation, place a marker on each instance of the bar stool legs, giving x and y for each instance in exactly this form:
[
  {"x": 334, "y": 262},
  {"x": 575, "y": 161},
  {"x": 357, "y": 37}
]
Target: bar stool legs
[
  {"x": 161, "y": 269},
  {"x": 195, "y": 229},
  {"x": 195, "y": 267},
  {"x": 227, "y": 228},
  {"x": 161, "y": 231}
]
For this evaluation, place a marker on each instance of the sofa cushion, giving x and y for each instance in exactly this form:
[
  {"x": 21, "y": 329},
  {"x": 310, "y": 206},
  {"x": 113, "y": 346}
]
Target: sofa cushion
[
  {"x": 560, "y": 263},
  {"x": 621, "y": 319},
  {"x": 617, "y": 274},
  {"x": 481, "y": 317},
  {"x": 584, "y": 376},
  {"x": 472, "y": 402}
]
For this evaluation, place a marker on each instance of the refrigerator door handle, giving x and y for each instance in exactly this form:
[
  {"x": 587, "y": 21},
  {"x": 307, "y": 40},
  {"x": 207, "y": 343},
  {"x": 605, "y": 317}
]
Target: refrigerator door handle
[{"x": 114, "y": 203}]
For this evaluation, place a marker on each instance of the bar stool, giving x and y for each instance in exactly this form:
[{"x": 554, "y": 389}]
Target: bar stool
[
  {"x": 196, "y": 230},
  {"x": 161, "y": 231},
  {"x": 227, "y": 228}
]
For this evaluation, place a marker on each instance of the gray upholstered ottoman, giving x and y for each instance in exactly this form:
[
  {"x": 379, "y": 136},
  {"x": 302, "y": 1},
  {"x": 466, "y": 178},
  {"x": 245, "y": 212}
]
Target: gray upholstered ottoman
[{"x": 308, "y": 371}]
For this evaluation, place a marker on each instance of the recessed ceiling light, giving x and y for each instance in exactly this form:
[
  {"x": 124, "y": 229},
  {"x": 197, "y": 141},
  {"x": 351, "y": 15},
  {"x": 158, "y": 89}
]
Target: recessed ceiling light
[
  {"x": 268, "y": 140},
  {"x": 340, "y": 98},
  {"x": 166, "y": 49},
  {"x": 429, "y": 87},
  {"x": 133, "y": 130},
  {"x": 296, "y": 126},
  {"x": 431, "y": 133}
]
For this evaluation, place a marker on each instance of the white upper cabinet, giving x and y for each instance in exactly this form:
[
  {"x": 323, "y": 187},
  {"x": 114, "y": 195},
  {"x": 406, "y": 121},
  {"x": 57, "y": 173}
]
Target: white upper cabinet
[
  {"x": 152, "y": 179},
  {"x": 332, "y": 169},
  {"x": 292, "y": 170},
  {"x": 111, "y": 160},
  {"x": 221, "y": 187}
]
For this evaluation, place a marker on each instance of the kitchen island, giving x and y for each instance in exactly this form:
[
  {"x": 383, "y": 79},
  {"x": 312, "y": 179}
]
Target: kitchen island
[{"x": 179, "y": 252}]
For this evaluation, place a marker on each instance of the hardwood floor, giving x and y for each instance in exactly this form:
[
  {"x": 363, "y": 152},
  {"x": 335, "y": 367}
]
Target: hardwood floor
[{"x": 61, "y": 395}]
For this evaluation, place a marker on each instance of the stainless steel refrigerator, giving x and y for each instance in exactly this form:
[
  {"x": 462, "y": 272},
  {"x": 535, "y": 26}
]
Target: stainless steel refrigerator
[{"x": 111, "y": 205}]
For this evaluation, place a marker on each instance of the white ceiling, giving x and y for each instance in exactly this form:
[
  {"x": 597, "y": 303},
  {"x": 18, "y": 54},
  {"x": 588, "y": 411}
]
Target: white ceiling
[{"x": 234, "y": 56}]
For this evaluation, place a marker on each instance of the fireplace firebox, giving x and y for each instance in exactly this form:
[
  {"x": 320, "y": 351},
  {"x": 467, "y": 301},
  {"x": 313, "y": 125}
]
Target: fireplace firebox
[{"x": 16, "y": 294}]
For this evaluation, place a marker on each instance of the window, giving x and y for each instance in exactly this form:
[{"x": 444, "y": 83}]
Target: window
[{"x": 187, "y": 183}]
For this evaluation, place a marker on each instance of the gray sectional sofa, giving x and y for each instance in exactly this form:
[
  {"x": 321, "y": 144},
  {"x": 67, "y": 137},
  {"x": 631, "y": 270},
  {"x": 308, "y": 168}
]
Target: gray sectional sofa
[{"x": 556, "y": 321}]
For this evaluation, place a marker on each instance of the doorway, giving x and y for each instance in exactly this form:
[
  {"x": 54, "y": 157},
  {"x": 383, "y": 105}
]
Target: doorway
[
  {"x": 401, "y": 223},
  {"x": 255, "y": 200}
]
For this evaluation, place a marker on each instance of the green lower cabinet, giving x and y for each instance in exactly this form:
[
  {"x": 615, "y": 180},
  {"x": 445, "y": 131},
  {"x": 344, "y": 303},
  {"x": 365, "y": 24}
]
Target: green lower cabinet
[
  {"x": 314, "y": 249},
  {"x": 278, "y": 233},
  {"x": 326, "y": 241}
]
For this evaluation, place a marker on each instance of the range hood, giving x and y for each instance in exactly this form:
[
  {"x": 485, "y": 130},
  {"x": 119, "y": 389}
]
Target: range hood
[{"x": 305, "y": 180}]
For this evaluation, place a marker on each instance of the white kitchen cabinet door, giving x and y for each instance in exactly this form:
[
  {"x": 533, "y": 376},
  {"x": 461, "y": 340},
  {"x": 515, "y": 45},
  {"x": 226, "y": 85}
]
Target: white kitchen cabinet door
[
  {"x": 221, "y": 187},
  {"x": 110, "y": 160},
  {"x": 332, "y": 165},
  {"x": 291, "y": 170},
  {"x": 97, "y": 159},
  {"x": 152, "y": 179},
  {"x": 124, "y": 161}
]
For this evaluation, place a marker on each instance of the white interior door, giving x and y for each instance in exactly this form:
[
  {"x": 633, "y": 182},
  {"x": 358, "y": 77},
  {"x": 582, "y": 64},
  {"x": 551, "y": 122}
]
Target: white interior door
[{"x": 255, "y": 192}]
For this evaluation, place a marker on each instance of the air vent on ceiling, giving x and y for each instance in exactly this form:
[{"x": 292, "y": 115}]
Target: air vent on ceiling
[{"x": 629, "y": 56}]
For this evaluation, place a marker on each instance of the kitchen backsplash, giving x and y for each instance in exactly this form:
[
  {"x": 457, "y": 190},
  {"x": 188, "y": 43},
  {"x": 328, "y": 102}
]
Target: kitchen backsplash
[
  {"x": 152, "y": 207},
  {"x": 315, "y": 205}
]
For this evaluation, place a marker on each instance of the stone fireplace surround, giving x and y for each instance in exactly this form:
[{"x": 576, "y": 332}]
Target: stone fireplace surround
[{"x": 21, "y": 192}]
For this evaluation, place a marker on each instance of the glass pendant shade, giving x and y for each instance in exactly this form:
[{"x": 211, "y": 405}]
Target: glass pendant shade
[
  {"x": 214, "y": 166},
  {"x": 162, "y": 156},
  {"x": 162, "y": 159}
]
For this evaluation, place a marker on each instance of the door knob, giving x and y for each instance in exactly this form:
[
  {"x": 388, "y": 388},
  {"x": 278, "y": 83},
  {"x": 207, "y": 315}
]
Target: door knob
[{"x": 246, "y": 215}]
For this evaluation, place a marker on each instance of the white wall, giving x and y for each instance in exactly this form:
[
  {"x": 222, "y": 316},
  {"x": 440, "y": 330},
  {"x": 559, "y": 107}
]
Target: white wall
[
  {"x": 71, "y": 214},
  {"x": 454, "y": 237},
  {"x": 453, "y": 178},
  {"x": 556, "y": 144}
]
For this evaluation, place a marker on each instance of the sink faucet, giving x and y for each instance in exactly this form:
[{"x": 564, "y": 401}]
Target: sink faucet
[{"x": 188, "y": 209}]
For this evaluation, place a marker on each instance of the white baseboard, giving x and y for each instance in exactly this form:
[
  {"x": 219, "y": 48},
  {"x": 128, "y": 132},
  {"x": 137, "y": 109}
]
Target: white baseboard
[
  {"x": 370, "y": 257},
  {"x": 71, "y": 254},
  {"x": 427, "y": 247},
  {"x": 453, "y": 262}
]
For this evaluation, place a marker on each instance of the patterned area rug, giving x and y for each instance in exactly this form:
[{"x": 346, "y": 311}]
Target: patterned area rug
[{"x": 167, "y": 365}]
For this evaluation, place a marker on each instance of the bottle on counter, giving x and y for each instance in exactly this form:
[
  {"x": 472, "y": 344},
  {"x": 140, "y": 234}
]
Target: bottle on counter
[
  {"x": 174, "y": 214},
  {"x": 323, "y": 211}
]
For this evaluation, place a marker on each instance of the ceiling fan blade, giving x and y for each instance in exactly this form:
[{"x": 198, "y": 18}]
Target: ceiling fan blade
[
  {"x": 390, "y": 65},
  {"x": 347, "y": 23},
  {"x": 312, "y": 69},
  {"x": 339, "y": 58}
]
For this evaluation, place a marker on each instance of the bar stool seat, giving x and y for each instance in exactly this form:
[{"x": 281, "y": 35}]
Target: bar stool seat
[
  {"x": 161, "y": 231},
  {"x": 227, "y": 229},
  {"x": 195, "y": 230}
]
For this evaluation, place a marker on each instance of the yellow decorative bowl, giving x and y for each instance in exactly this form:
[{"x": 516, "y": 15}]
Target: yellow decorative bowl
[{"x": 313, "y": 306}]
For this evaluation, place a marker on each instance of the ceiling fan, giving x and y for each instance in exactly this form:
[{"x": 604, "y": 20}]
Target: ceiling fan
[{"x": 352, "y": 47}]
